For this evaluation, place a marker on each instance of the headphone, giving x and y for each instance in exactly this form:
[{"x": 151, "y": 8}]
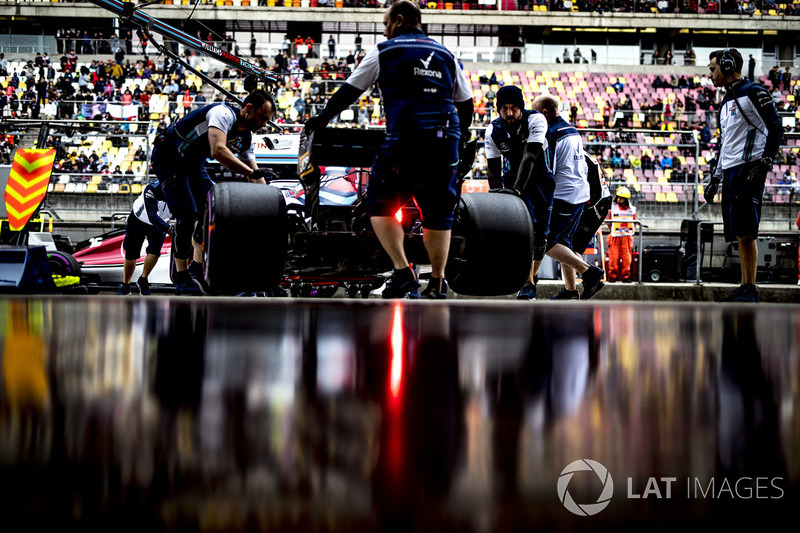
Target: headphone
[{"x": 727, "y": 64}]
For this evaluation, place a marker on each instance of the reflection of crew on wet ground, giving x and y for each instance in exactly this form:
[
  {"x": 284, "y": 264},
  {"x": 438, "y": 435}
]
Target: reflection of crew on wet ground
[
  {"x": 370, "y": 417},
  {"x": 422, "y": 428},
  {"x": 749, "y": 442},
  {"x": 547, "y": 384}
]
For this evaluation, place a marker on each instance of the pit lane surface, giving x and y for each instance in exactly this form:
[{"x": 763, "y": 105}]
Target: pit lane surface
[{"x": 217, "y": 414}]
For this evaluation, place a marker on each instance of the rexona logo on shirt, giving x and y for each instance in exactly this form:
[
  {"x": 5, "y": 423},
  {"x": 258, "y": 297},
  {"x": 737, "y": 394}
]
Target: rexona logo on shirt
[{"x": 425, "y": 71}]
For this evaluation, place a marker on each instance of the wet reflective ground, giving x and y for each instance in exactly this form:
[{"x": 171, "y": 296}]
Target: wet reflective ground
[{"x": 292, "y": 415}]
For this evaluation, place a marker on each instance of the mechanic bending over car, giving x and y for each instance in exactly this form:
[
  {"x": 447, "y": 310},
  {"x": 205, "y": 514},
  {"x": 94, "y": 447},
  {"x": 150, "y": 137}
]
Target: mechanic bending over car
[
  {"x": 148, "y": 219},
  {"x": 428, "y": 105},
  {"x": 218, "y": 131}
]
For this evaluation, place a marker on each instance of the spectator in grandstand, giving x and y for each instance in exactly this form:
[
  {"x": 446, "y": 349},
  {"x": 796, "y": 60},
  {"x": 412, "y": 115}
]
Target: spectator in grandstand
[
  {"x": 616, "y": 160},
  {"x": 577, "y": 56},
  {"x": 689, "y": 56},
  {"x": 776, "y": 97},
  {"x": 428, "y": 110},
  {"x": 788, "y": 184},
  {"x": 565, "y": 56},
  {"x": 751, "y": 68},
  {"x": 72, "y": 59},
  {"x": 620, "y": 240},
  {"x": 786, "y": 79},
  {"x": 358, "y": 41},
  {"x": 647, "y": 161},
  {"x": 656, "y": 59},
  {"x": 572, "y": 191},
  {"x": 331, "y": 47},
  {"x": 774, "y": 77},
  {"x": 607, "y": 111},
  {"x": 751, "y": 132},
  {"x": 178, "y": 160},
  {"x": 148, "y": 219}
]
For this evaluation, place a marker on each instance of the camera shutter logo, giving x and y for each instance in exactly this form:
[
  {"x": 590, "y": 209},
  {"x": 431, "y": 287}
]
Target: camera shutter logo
[{"x": 585, "y": 509}]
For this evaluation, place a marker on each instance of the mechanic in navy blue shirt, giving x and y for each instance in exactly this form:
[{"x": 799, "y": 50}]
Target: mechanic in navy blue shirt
[
  {"x": 569, "y": 168},
  {"x": 750, "y": 135},
  {"x": 428, "y": 106},
  {"x": 217, "y": 131},
  {"x": 148, "y": 219},
  {"x": 516, "y": 144}
]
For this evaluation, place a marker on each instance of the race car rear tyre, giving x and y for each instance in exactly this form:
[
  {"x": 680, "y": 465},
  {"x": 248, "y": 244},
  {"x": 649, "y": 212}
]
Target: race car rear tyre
[
  {"x": 246, "y": 234},
  {"x": 498, "y": 245}
]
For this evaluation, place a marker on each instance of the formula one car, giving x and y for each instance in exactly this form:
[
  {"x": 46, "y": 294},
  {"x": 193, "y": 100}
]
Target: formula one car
[
  {"x": 255, "y": 240},
  {"x": 101, "y": 259}
]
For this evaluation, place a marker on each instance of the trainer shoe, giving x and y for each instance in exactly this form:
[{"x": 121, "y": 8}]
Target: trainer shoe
[
  {"x": 185, "y": 285},
  {"x": 198, "y": 278},
  {"x": 567, "y": 295},
  {"x": 527, "y": 292},
  {"x": 124, "y": 289},
  {"x": 592, "y": 282},
  {"x": 401, "y": 283},
  {"x": 731, "y": 297},
  {"x": 436, "y": 289},
  {"x": 144, "y": 286},
  {"x": 748, "y": 294}
]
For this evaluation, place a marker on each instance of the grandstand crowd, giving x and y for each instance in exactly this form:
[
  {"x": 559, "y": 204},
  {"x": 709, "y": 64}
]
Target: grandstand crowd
[
  {"x": 724, "y": 7},
  {"x": 158, "y": 91}
]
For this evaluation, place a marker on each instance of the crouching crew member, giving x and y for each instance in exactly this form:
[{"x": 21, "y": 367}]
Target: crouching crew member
[
  {"x": 217, "y": 131},
  {"x": 515, "y": 145},
  {"x": 148, "y": 219}
]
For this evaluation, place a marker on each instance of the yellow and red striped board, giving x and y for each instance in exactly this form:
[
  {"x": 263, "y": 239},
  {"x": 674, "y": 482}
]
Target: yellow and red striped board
[{"x": 27, "y": 184}]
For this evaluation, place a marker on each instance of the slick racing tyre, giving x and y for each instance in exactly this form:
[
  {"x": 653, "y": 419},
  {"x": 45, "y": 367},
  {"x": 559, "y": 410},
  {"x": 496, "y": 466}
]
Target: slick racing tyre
[
  {"x": 246, "y": 238},
  {"x": 63, "y": 264},
  {"x": 492, "y": 246}
]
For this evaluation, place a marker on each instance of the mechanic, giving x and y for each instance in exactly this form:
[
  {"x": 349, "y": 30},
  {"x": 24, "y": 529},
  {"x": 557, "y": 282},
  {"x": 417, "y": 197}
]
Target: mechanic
[
  {"x": 750, "y": 135},
  {"x": 428, "y": 105},
  {"x": 568, "y": 166},
  {"x": 148, "y": 219},
  {"x": 518, "y": 137},
  {"x": 594, "y": 213},
  {"x": 217, "y": 131}
]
